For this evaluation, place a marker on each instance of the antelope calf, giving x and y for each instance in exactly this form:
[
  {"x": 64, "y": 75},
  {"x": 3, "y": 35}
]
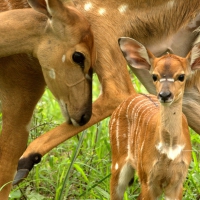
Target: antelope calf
[{"x": 150, "y": 134}]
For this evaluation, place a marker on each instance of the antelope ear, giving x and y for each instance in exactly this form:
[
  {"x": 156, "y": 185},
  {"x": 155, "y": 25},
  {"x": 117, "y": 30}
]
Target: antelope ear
[
  {"x": 194, "y": 57},
  {"x": 47, "y": 7},
  {"x": 135, "y": 53}
]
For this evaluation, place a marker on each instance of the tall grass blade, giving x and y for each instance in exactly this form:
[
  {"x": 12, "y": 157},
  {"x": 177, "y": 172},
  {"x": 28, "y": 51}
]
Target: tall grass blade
[{"x": 71, "y": 164}]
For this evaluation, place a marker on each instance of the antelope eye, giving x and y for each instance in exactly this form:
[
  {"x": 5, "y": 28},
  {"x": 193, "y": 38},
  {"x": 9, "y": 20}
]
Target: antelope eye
[
  {"x": 78, "y": 58},
  {"x": 181, "y": 77},
  {"x": 155, "y": 77}
]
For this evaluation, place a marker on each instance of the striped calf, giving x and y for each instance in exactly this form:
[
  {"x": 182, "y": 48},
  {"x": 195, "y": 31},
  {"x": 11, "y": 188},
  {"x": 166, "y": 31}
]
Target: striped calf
[{"x": 150, "y": 134}]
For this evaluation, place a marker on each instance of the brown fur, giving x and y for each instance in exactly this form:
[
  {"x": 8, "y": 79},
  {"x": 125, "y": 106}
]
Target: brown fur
[
  {"x": 107, "y": 29},
  {"x": 143, "y": 133},
  {"x": 23, "y": 77}
]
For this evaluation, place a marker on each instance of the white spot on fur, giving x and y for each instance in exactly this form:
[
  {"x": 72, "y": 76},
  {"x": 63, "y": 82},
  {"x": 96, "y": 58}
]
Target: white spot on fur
[
  {"x": 123, "y": 8},
  {"x": 63, "y": 58},
  {"x": 171, "y": 152},
  {"x": 170, "y": 4},
  {"x": 102, "y": 11},
  {"x": 116, "y": 166},
  {"x": 52, "y": 74},
  {"x": 88, "y": 6}
]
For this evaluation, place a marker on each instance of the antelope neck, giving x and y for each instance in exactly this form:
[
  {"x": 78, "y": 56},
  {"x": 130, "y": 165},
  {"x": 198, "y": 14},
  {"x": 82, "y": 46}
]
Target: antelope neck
[
  {"x": 171, "y": 124},
  {"x": 23, "y": 37}
]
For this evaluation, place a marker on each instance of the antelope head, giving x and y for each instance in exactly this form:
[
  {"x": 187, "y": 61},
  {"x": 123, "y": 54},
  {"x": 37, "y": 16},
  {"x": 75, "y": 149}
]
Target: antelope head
[
  {"x": 169, "y": 74},
  {"x": 66, "y": 53}
]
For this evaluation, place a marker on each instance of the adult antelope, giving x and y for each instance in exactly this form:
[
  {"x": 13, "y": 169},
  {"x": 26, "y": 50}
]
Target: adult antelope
[
  {"x": 151, "y": 22},
  {"x": 150, "y": 137},
  {"x": 60, "y": 38}
]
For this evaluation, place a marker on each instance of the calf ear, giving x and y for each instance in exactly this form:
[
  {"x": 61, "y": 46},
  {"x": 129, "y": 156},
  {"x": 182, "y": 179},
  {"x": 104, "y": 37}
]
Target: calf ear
[
  {"x": 194, "y": 57},
  {"x": 135, "y": 53}
]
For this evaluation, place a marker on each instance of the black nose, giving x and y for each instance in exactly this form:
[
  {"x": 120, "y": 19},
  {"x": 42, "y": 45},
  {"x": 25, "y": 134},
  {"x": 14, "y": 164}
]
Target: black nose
[
  {"x": 84, "y": 119},
  {"x": 165, "y": 95}
]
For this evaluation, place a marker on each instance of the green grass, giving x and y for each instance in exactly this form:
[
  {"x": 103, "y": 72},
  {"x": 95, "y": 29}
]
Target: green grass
[{"x": 80, "y": 167}]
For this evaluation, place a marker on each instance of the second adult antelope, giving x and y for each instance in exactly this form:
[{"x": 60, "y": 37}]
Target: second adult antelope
[{"x": 149, "y": 136}]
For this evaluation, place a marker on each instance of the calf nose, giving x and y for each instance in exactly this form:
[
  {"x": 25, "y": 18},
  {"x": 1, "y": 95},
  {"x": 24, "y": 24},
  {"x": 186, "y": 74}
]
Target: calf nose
[{"x": 164, "y": 96}]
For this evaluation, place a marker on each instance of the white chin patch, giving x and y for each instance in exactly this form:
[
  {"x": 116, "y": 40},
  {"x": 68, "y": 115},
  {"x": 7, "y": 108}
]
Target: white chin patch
[{"x": 74, "y": 122}]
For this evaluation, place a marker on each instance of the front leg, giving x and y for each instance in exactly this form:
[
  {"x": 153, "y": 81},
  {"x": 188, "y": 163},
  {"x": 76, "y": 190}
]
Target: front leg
[
  {"x": 20, "y": 89},
  {"x": 102, "y": 108}
]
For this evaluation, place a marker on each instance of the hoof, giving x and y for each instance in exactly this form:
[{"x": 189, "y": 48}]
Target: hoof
[
  {"x": 20, "y": 176},
  {"x": 25, "y": 165}
]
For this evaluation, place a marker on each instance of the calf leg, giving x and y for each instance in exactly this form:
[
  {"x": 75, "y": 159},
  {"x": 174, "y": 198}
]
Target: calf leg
[{"x": 120, "y": 179}]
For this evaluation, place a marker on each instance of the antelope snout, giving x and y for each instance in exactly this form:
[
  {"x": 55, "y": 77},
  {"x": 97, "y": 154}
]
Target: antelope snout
[
  {"x": 165, "y": 96},
  {"x": 81, "y": 118}
]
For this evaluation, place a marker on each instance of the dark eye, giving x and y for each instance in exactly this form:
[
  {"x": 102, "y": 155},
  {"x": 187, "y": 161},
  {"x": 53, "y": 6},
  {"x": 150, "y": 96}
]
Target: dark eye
[
  {"x": 78, "y": 58},
  {"x": 181, "y": 77},
  {"x": 155, "y": 78}
]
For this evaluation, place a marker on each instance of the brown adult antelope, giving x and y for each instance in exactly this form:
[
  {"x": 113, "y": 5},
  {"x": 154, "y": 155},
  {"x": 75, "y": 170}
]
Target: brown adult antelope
[
  {"x": 149, "y": 21},
  {"x": 152, "y": 137},
  {"x": 60, "y": 38}
]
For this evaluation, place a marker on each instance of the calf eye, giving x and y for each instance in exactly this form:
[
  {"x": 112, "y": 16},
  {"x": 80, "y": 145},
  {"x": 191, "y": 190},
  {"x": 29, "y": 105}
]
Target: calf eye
[
  {"x": 155, "y": 78},
  {"x": 181, "y": 77},
  {"x": 78, "y": 58}
]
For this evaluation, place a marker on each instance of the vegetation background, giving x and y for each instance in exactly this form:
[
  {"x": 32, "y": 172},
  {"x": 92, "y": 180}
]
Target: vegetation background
[{"x": 80, "y": 167}]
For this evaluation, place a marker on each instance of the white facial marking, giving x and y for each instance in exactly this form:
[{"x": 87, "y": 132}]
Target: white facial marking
[
  {"x": 88, "y": 77},
  {"x": 63, "y": 58},
  {"x": 102, "y": 11},
  {"x": 167, "y": 79},
  {"x": 116, "y": 166},
  {"x": 52, "y": 74},
  {"x": 123, "y": 8},
  {"x": 88, "y": 6},
  {"x": 171, "y": 152}
]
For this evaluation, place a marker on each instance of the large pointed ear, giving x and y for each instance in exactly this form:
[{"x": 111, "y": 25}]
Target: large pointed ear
[
  {"x": 135, "y": 53},
  {"x": 47, "y": 7},
  {"x": 194, "y": 57}
]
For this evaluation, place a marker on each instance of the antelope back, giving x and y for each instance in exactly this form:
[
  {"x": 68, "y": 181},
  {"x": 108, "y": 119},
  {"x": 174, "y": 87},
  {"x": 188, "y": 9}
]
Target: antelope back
[{"x": 135, "y": 112}]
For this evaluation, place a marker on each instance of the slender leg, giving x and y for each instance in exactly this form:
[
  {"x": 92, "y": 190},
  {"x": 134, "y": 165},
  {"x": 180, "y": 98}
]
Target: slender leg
[
  {"x": 147, "y": 194},
  {"x": 176, "y": 193},
  {"x": 56, "y": 136},
  {"x": 120, "y": 180},
  {"x": 19, "y": 91}
]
